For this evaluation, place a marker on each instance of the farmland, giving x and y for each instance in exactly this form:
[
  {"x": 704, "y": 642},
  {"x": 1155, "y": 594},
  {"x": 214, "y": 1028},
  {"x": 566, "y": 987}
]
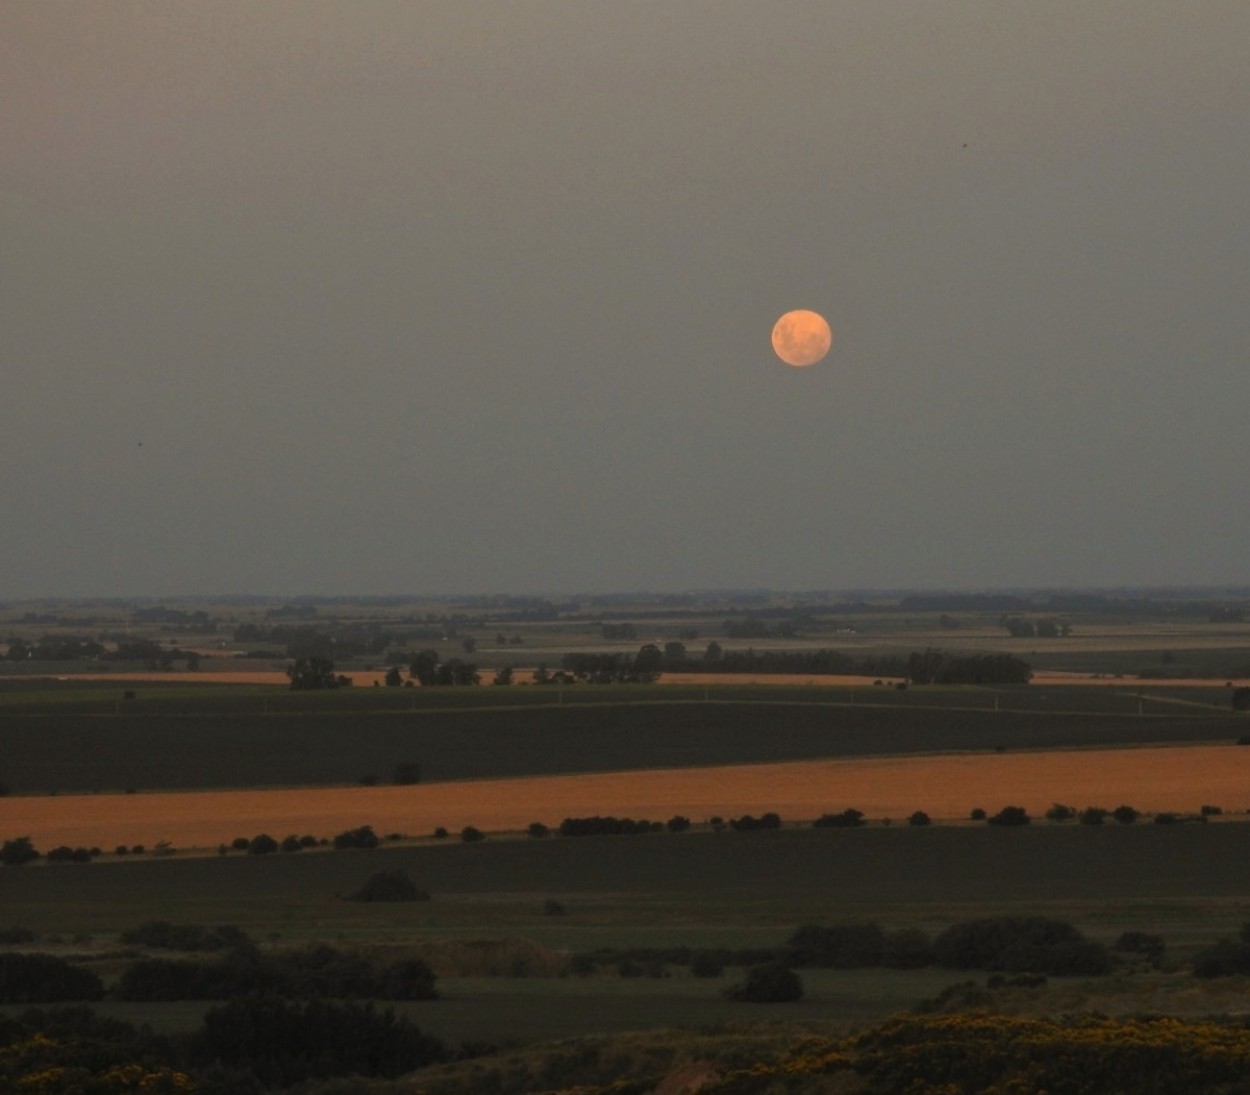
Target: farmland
[{"x": 1128, "y": 709}]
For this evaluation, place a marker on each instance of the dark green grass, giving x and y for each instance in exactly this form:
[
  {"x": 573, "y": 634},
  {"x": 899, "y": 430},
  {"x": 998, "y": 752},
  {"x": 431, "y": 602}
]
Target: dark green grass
[
  {"x": 528, "y": 1010},
  {"x": 729, "y": 877},
  {"x": 231, "y": 739},
  {"x": 695, "y": 889}
]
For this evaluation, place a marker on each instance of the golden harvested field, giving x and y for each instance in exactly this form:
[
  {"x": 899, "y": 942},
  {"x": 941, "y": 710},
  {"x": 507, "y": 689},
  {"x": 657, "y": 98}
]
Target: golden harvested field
[{"x": 1181, "y": 779}]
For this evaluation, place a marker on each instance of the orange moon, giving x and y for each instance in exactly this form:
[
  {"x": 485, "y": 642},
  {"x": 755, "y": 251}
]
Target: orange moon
[{"x": 801, "y": 337}]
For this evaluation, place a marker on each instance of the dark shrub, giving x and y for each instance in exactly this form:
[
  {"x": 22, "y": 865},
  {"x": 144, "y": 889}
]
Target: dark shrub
[
  {"x": 470, "y": 834},
  {"x": 292, "y": 844},
  {"x": 847, "y": 819},
  {"x": 1150, "y": 947},
  {"x": 285, "y": 1042},
  {"x": 749, "y": 823},
  {"x": 65, "y": 854},
  {"x": 45, "y": 979},
  {"x": 1211, "y": 811},
  {"x": 1010, "y": 815},
  {"x": 677, "y": 824},
  {"x": 843, "y": 946},
  {"x": 389, "y": 886},
  {"x": 977, "y": 814},
  {"x": 15, "y": 852},
  {"x": 262, "y": 844},
  {"x": 769, "y": 984},
  {"x": 1125, "y": 815},
  {"x": 1060, "y": 812},
  {"x": 919, "y": 818},
  {"x": 1227, "y": 958},
  {"x": 1092, "y": 815},
  {"x": 1020, "y": 943},
  {"x": 240, "y": 843},
  {"x": 1166, "y": 818},
  {"x": 538, "y": 830},
  {"x": 363, "y": 837},
  {"x": 441, "y": 833}
]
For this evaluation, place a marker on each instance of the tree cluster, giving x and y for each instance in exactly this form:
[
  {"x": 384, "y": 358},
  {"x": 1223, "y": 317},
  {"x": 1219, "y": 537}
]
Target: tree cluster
[
  {"x": 1021, "y": 943},
  {"x": 936, "y": 667},
  {"x": 315, "y": 673},
  {"x": 429, "y": 670},
  {"x": 642, "y": 668},
  {"x": 849, "y": 818},
  {"x": 607, "y": 826},
  {"x": 317, "y": 971}
]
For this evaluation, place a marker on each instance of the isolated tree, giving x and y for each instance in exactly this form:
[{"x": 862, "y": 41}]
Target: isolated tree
[
  {"x": 469, "y": 646},
  {"x": 714, "y": 652},
  {"x": 313, "y": 672},
  {"x": 13, "y": 853},
  {"x": 769, "y": 984},
  {"x": 394, "y": 679},
  {"x": 503, "y": 675},
  {"x": 424, "y": 667},
  {"x": 1010, "y": 815},
  {"x": 647, "y": 663}
]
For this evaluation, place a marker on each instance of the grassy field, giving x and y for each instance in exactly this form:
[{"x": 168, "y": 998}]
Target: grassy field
[
  {"x": 80, "y": 738},
  {"x": 700, "y": 889}
]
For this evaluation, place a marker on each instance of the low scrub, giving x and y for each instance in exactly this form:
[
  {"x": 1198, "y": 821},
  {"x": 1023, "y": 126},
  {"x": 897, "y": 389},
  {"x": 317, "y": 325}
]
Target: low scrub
[
  {"x": 1021, "y": 943},
  {"x": 45, "y": 979},
  {"x": 186, "y": 937},
  {"x": 390, "y": 886},
  {"x": 768, "y": 984},
  {"x": 317, "y": 971}
]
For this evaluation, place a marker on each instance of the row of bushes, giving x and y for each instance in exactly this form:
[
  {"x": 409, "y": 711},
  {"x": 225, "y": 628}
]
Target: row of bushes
[
  {"x": 1009, "y": 943},
  {"x": 247, "y": 1046},
  {"x": 313, "y": 972},
  {"x": 20, "y": 850}
]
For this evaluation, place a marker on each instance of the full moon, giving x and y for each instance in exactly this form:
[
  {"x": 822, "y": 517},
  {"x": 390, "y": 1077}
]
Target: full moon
[{"x": 802, "y": 337}]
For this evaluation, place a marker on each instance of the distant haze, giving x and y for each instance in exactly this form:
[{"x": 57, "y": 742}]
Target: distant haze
[{"x": 375, "y": 296}]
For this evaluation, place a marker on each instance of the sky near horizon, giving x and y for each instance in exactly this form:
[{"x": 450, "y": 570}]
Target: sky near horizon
[{"x": 433, "y": 297}]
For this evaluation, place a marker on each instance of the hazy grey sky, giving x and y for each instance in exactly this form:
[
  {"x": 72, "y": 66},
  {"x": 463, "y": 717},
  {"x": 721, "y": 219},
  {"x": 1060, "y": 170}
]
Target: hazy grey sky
[{"x": 318, "y": 297}]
